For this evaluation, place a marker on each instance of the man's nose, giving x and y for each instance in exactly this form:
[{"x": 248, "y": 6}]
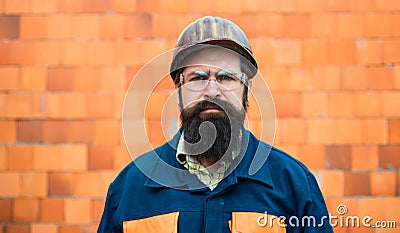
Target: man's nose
[{"x": 212, "y": 89}]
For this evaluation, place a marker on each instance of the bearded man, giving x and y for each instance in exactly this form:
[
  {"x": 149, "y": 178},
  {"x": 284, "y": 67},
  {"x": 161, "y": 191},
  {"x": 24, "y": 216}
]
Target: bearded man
[{"x": 200, "y": 181}]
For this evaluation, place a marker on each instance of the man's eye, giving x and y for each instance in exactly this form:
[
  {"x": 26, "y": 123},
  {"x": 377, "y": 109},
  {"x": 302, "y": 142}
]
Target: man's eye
[
  {"x": 226, "y": 78},
  {"x": 197, "y": 78}
]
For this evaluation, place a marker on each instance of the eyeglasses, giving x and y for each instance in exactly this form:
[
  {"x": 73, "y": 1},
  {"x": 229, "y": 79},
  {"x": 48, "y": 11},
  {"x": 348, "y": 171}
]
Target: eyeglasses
[{"x": 198, "y": 80}]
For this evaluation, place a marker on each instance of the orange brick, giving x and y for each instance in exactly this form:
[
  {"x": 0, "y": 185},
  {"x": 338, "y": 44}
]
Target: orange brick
[
  {"x": 368, "y": 104},
  {"x": 336, "y": 5},
  {"x": 25, "y": 210},
  {"x": 347, "y": 131},
  {"x": 9, "y": 184},
  {"x": 106, "y": 132},
  {"x": 341, "y": 104},
  {"x": 338, "y": 157},
  {"x": 85, "y": 26},
  {"x": 29, "y": 131},
  {"x": 287, "y": 104},
  {"x": 22, "y": 52},
  {"x": 327, "y": 78},
  {"x": 74, "y": 157},
  {"x": 155, "y": 105},
  {"x": 9, "y": 26},
  {"x": 299, "y": 79},
  {"x": 374, "y": 30},
  {"x": 350, "y": 25},
  {"x": 389, "y": 51},
  {"x": 155, "y": 132},
  {"x": 391, "y": 101},
  {"x": 126, "y": 53},
  {"x": 374, "y": 131},
  {"x": 287, "y": 52},
  {"x": 324, "y": 25},
  {"x": 139, "y": 26},
  {"x": 34, "y": 184},
  {"x": 100, "y": 106},
  {"x": 70, "y": 6},
  {"x": 80, "y": 131},
  {"x": 87, "y": 184},
  {"x": 268, "y": 25},
  {"x": 3, "y": 158},
  {"x": 313, "y": 156},
  {"x": 17, "y": 228},
  {"x": 342, "y": 51},
  {"x": 369, "y": 51},
  {"x": 328, "y": 177},
  {"x": 397, "y": 77},
  {"x": 364, "y": 158},
  {"x": 86, "y": 79},
  {"x": 16, "y": 6},
  {"x": 77, "y": 211},
  {"x": 380, "y": 77},
  {"x": 74, "y": 53},
  {"x": 4, "y": 52},
  {"x": 20, "y": 157},
  {"x": 61, "y": 184},
  {"x": 46, "y": 158},
  {"x": 383, "y": 183},
  {"x": 112, "y": 26},
  {"x": 112, "y": 79},
  {"x": 54, "y": 131},
  {"x": 356, "y": 184},
  {"x": 73, "y": 105},
  {"x": 297, "y": 26},
  {"x": 391, "y": 210},
  {"x": 293, "y": 130},
  {"x": 51, "y": 210},
  {"x": 149, "y": 49},
  {"x": 362, "y": 5},
  {"x": 58, "y": 26},
  {"x": 101, "y": 157},
  {"x": 124, "y": 6},
  {"x": 387, "y": 5},
  {"x": 5, "y": 211},
  {"x": 395, "y": 17},
  {"x": 121, "y": 158},
  {"x": 355, "y": 78},
  {"x": 44, "y": 6},
  {"x": 2, "y": 105},
  {"x": 394, "y": 131},
  {"x": 9, "y": 78},
  {"x": 32, "y": 79},
  {"x": 48, "y": 52},
  {"x": 97, "y": 210},
  {"x": 388, "y": 157},
  {"x": 315, "y": 51},
  {"x": 20, "y": 105},
  {"x": 33, "y": 27},
  {"x": 101, "y": 53},
  {"x": 175, "y": 6},
  {"x": 8, "y": 131},
  {"x": 264, "y": 51},
  {"x": 95, "y": 6},
  {"x": 71, "y": 229},
  {"x": 40, "y": 227},
  {"x": 320, "y": 131}
]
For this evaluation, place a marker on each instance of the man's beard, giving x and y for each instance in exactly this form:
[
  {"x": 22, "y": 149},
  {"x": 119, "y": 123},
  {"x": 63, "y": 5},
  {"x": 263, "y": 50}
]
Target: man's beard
[{"x": 228, "y": 125}]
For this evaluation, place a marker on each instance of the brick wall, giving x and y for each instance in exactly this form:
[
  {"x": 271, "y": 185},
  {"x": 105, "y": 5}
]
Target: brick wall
[{"x": 333, "y": 67}]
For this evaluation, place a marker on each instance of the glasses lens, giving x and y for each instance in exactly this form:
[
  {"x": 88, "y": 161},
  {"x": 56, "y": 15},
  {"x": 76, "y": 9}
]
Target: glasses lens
[{"x": 199, "y": 80}]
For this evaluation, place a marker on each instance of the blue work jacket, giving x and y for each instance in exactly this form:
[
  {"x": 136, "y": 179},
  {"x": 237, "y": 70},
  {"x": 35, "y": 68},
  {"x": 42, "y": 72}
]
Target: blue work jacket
[{"x": 268, "y": 191}]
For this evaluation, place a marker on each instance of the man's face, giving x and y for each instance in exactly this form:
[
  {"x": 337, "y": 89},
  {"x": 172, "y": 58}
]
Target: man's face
[
  {"x": 212, "y": 90},
  {"x": 212, "y": 61}
]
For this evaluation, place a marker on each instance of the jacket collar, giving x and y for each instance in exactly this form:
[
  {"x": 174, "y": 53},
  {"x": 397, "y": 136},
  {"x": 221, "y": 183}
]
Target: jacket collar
[{"x": 165, "y": 171}]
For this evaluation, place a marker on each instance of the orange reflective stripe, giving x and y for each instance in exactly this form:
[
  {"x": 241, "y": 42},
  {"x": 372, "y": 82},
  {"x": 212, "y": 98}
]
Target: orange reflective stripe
[
  {"x": 158, "y": 224},
  {"x": 245, "y": 222}
]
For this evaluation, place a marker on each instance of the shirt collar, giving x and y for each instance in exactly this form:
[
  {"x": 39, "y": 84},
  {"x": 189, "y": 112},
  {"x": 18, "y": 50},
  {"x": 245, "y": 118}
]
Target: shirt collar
[{"x": 256, "y": 155}]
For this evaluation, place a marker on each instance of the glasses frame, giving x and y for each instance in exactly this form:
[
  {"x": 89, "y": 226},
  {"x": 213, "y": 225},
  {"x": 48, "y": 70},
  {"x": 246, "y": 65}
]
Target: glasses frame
[{"x": 239, "y": 75}]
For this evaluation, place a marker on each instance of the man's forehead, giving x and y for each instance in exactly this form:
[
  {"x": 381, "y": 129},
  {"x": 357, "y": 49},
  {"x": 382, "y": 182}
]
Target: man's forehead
[{"x": 217, "y": 57}]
